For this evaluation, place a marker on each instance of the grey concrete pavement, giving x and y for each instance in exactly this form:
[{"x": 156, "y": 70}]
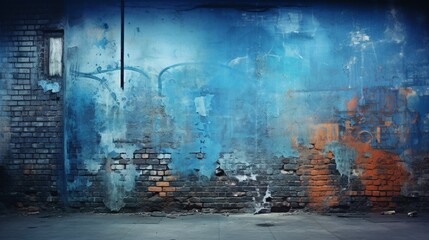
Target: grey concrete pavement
[{"x": 277, "y": 226}]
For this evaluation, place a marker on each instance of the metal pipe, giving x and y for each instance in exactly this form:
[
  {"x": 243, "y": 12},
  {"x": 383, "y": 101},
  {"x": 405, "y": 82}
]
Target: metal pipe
[{"x": 122, "y": 42}]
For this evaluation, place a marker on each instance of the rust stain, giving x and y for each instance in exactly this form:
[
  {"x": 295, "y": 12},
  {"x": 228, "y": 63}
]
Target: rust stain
[
  {"x": 352, "y": 104},
  {"x": 406, "y": 91},
  {"x": 348, "y": 124},
  {"x": 324, "y": 133}
]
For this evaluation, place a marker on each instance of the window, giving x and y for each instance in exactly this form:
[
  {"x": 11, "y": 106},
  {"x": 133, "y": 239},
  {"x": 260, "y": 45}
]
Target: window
[
  {"x": 55, "y": 57},
  {"x": 53, "y": 54}
]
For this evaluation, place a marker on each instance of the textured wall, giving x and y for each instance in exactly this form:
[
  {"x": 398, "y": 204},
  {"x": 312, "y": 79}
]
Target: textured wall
[
  {"x": 244, "y": 107},
  {"x": 225, "y": 107}
]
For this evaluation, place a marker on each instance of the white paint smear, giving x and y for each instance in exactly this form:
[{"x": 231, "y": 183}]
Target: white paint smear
[
  {"x": 357, "y": 38},
  {"x": 236, "y": 61},
  {"x": 203, "y": 105},
  {"x": 289, "y": 22}
]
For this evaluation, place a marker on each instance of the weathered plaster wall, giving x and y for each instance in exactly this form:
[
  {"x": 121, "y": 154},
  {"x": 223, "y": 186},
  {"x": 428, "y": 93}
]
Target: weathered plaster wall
[{"x": 237, "y": 107}]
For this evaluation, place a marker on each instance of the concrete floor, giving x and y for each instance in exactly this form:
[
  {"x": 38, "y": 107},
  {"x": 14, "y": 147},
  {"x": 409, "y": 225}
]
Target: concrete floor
[{"x": 212, "y": 226}]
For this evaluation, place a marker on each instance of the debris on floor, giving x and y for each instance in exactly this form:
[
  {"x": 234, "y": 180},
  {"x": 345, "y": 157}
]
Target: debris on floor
[
  {"x": 158, "y": 214},
  {"x": 412, "y": 214},
  {"x": 391, "y": 212},
  {"x": 262, "y": 210}
]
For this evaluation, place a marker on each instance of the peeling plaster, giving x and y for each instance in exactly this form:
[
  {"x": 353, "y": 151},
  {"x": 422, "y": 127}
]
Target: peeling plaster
[
  {"x": 358, "y": 38},
  {"x": 47, "y": 85},
  {"x": 242, "y": 178},
  {"x": 203, "y": 105},
  {"x": 265, "y": 205},
  {"x": 118, "y": 184},
  {"x": 233, "y": 162},
  {"x": 344, "y": 157}
]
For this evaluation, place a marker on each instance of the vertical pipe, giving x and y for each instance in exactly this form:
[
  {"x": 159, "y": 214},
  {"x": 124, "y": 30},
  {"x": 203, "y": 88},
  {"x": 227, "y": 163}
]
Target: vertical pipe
[{"x": 122, "y": 42}]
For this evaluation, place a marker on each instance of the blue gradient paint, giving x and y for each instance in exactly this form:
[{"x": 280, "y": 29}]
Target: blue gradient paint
[{"x": 253, "y": 85}]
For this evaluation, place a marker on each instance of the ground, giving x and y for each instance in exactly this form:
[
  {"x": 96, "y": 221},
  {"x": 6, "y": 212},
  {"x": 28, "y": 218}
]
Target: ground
[{"x": 189, "y": 226}]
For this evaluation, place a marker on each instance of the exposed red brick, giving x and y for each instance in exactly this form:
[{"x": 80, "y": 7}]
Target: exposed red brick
[
  {"x": 169, "y": 189},
  {"x": 154, "y": 189},
  {"x": 162, "y": 184}
]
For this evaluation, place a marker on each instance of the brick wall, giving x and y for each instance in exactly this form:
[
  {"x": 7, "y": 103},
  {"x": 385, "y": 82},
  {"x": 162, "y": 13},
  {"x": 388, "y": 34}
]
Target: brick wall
[
  {"x": 31, "y": 140},
  {"x": 159, "y": 188},
  {"x": 311, "y": 181},
  {"x": 345, "y": 163}
]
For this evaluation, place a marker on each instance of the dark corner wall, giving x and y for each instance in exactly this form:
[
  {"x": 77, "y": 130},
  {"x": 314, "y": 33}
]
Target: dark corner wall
[
  {"x": 31, "y": 117},
  {"x": 238, "y": 106}
]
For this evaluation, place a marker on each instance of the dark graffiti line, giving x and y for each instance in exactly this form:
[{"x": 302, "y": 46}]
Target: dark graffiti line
[
  {"x": 184, "y": 64},
  {"x": 122, "y": 43},
  {"x": 103, "y": 81},
  {"x": 134, "y": 69}
]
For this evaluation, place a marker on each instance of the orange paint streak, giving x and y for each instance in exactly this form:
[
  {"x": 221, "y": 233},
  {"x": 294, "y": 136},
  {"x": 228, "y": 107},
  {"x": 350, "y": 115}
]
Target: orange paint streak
[
  {"x": 383, "y": 173},
  {"x": 352, "y": 105}
]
